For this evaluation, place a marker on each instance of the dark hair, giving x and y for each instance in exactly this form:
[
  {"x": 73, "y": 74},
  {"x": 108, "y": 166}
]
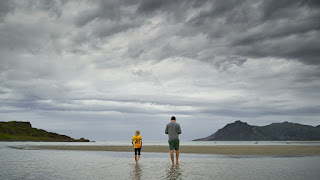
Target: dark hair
[{"x": 173, "y": 118}]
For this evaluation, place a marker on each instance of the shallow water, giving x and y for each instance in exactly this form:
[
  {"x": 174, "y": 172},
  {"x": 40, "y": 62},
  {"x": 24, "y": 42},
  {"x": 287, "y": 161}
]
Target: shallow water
[
  {"x": 52, "y": 164},
  {"x": 192, "y": 143}
]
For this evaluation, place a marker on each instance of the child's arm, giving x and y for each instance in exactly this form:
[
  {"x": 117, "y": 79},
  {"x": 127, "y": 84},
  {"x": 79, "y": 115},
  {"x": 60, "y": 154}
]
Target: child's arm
[{"x": 132, "y": 143}]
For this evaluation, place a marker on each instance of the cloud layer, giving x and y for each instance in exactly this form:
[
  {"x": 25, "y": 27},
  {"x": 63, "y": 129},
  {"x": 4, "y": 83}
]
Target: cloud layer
[{"x": 111, "y": 67}]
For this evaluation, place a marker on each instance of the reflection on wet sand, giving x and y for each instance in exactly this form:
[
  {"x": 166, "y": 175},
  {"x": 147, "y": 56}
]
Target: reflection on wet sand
[
  {"x": 174, "y": 173},
  {"x": 137, "y": 172}
]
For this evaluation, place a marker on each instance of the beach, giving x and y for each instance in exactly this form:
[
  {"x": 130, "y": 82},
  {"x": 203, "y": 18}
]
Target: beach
[
  {"x": 73, "y": 160},
  {"x": 260, "y": 150}
]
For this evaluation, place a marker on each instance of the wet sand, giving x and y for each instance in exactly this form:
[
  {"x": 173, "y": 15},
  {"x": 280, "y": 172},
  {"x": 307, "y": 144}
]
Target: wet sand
[{"x": 261, "y": 150}]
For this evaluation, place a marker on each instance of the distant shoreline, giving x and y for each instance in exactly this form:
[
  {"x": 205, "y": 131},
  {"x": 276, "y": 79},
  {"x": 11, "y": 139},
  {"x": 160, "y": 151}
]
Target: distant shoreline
[
  {"x": 76, "y": 141},
  {"x": 260, "y": 150}
]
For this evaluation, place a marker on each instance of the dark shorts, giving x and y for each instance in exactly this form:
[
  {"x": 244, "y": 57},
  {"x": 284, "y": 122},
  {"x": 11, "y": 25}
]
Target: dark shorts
[
  {"x": 137, "y": 151},
  {"x": 174, "y": 144}
]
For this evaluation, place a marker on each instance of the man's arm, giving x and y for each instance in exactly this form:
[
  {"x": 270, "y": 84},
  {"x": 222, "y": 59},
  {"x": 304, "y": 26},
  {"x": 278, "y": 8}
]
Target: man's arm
[
  {"x": 166, "y": 131},
  {"x": 179, "y": 129}
]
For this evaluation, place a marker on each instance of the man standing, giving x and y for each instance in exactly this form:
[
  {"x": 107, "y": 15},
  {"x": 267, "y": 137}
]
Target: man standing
[{"x": 173, "y": 130}]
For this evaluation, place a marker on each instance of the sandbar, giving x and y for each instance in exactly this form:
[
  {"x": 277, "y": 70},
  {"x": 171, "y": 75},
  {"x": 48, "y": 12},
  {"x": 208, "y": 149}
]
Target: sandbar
[{"x": 260, "y": 150}]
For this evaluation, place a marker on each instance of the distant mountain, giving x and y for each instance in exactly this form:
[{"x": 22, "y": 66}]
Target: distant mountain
[
  {"x": 23, "y": 131},
  {"x": 241, "y": 131}
]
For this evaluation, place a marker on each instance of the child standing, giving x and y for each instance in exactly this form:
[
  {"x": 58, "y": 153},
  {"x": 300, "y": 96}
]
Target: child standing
[{"x": 137, "y": 144}]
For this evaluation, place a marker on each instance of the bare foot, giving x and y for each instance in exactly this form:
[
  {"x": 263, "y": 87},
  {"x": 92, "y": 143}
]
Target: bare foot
[{"x": 177, "y": 163}]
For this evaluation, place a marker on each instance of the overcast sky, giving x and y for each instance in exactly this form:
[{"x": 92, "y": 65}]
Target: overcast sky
[{"x": 103, "y": 69}]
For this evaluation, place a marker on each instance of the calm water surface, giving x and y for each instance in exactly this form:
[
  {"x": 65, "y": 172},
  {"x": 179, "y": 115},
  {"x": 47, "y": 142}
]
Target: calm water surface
[{"x": 53, "y": 164}]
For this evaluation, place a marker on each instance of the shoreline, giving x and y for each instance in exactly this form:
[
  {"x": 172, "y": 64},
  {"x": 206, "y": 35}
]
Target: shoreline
[{"x": 260, "y": 150}]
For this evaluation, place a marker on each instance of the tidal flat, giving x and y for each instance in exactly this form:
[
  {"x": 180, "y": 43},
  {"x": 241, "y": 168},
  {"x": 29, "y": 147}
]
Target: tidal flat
[
  {"x": 261, "y": 150},
  {"x": 19, "y": 162}
]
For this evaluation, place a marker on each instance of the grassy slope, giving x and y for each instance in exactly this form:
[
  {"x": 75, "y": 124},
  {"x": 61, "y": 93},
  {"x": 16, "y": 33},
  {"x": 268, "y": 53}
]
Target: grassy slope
[{"x": 22, "y": 131}]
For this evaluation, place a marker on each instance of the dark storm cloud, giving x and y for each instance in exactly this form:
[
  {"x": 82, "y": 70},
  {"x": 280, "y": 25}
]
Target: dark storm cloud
[
  {"x": 151, "y": 7},
  {"x": 109, "y": 28},
  {"x": 27, "y": 34},
  {"x": 284, "y": 29},
  {"x": 107, "y": 18},
  {"x": 52, "y": 6},
  {"x": 104, "y": 10},
  {"x": 5, "y": 7},
  {"x": 281, "y": 29},
  {"x": 132, "y": 60}
]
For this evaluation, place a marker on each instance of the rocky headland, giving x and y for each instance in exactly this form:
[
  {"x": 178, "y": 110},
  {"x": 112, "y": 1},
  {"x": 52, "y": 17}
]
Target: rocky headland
[
  {"x": 23, "y": 131},
  {"x": 286, "y": 131}
]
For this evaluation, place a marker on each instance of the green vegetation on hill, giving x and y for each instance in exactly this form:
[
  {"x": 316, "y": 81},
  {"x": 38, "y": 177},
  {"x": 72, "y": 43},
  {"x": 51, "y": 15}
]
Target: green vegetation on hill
[{"x": 23, "y": 131}]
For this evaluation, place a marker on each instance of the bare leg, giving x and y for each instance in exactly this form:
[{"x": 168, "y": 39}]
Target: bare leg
[
  {"x": 172, "y": 157},
  {"x": 138, "y": 157},
  {"x": 135, "y": 158},
  {"x": 177, "y": 156}
]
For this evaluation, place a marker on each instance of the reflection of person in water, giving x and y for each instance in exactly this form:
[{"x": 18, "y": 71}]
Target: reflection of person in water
[
  {"x": 174, "y": 173},
  {"x": 137, "y": 172}
]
